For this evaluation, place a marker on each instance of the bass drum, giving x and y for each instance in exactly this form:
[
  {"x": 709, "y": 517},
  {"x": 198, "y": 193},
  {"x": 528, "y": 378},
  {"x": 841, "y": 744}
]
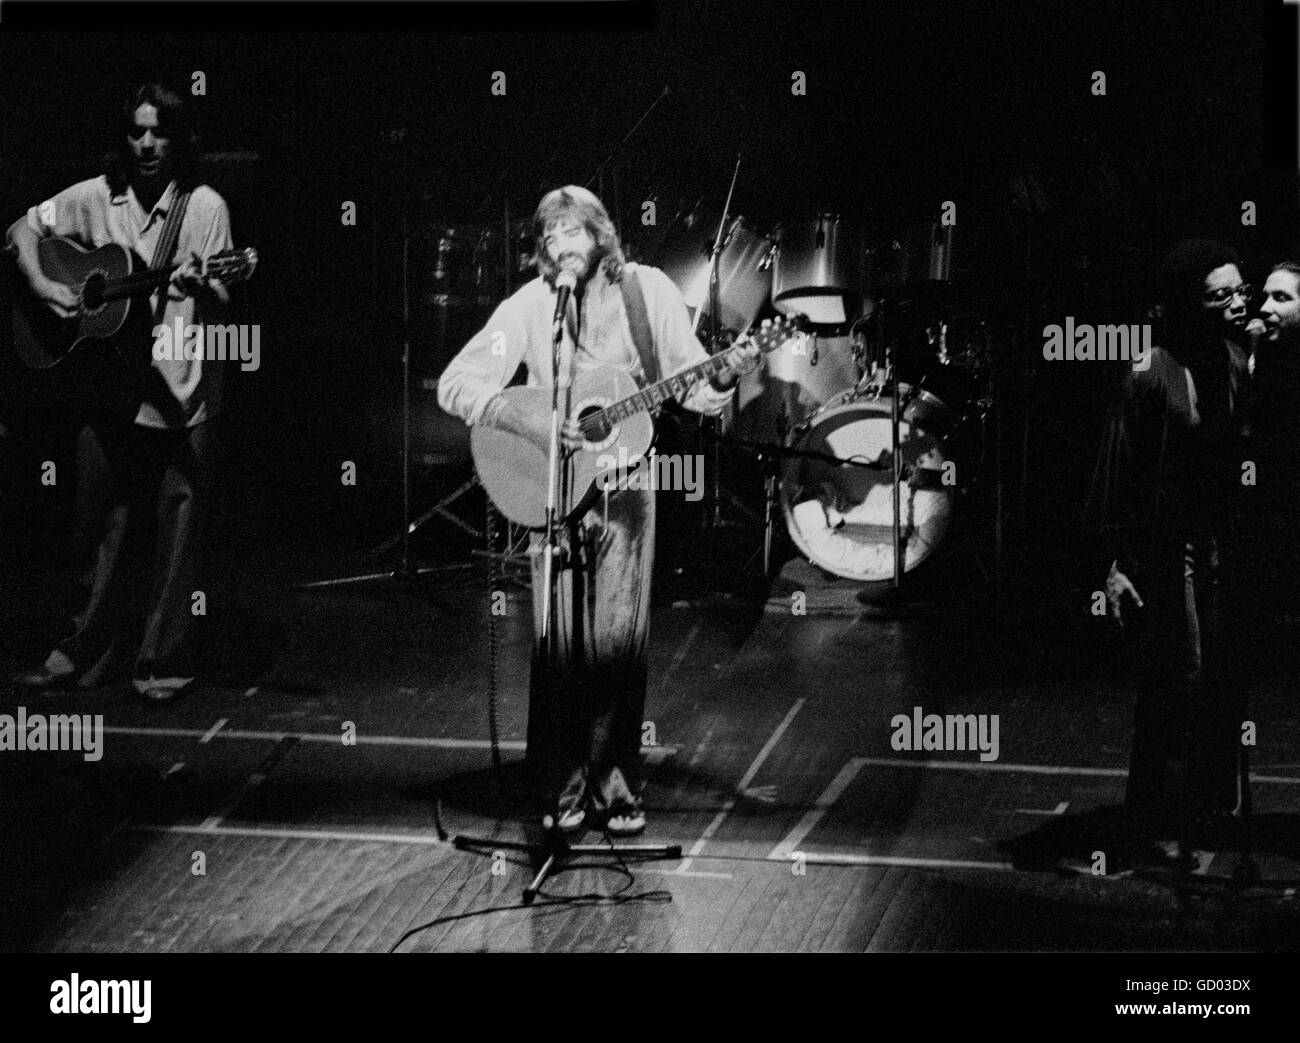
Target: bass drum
[{"x": 840, "y": 516}]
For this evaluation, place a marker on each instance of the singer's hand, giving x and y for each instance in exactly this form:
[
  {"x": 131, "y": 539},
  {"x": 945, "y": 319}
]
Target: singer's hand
[
  {"x": 571, "y": 435},
  {"x": 746, "y": 360},
  {"x": 60, "y": 299},
  {"x": 742, "y": 358},
  {"x": 1117, "y": 585}
]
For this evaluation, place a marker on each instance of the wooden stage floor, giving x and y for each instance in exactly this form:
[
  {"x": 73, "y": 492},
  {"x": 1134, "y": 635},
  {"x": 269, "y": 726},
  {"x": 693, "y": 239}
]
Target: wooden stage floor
[{"x": 802, "y": 828}]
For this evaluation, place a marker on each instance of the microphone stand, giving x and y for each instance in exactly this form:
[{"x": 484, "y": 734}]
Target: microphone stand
[{"x": 888, "y": 349}]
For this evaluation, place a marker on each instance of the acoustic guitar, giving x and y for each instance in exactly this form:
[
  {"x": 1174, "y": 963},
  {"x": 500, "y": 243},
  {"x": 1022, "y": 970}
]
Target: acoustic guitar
[
  {"x": 615, "y": 420},
  {"x": 108, "y": 342}
]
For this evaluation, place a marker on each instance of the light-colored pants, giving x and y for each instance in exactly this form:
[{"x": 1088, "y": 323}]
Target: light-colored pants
[{"x": 584, "y": 723}]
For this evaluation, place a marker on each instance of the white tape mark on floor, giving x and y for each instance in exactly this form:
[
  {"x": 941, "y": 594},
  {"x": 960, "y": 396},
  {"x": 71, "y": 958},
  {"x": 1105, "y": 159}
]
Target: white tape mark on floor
[
  {"x": 742, "y": 785},
  {"x": 832, "y": 859},
  {"x": 696, "y": 873},
  {"x": 1058, "y": 810},
  {"x": 680, "y": 657},
  {"x": 1037, "y": 769},
  {"x": 210, "y": 734},
  {"x": 430, "y": 742},
  {"x": 427, "y": 840},
  {"x": 297, "y": 834},
  {"x": 817, "y": 812}
]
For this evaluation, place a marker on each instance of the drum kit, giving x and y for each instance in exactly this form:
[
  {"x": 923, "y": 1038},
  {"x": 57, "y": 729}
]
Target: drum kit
[
  {"x": 821, "y": 410},
  {"x": 872, "y": 420}
]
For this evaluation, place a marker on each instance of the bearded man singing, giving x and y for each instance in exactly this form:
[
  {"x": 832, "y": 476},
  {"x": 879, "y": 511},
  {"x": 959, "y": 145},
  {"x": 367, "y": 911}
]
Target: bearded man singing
[{"x": 584, "y": 724}]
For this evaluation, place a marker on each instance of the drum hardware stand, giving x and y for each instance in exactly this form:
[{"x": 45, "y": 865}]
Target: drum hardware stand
[
  {"x": 887, "y": 349},
  {"x": 513, "y": 557},
  {"x": 713, "y": 512},
  {"x": 772, "y": 467},
  {"x": 553, "y": 851},
  {"x": 986, "y": 404},
  {"x": 771, "y": 455},
  {"x": 899, "y": 552},
  {"x": 405, "y": 570},
  {"x": 442, "y": 508},
  {"x": 890, "y": 352}
]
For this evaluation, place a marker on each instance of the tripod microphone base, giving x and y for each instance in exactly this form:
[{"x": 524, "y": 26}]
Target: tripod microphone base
[{"x": 552, "y": 852}]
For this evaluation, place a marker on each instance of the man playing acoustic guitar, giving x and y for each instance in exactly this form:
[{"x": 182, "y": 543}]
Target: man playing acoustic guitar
[
  {"x": 141, "y": 455},
  {"x": 584, "y": 731}
]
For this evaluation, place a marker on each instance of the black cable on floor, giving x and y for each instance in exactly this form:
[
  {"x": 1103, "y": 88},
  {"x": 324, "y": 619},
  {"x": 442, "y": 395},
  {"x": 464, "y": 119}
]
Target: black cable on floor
[
  {"x": 495, "y": 579},
  {"x": 620, "y": 897}
]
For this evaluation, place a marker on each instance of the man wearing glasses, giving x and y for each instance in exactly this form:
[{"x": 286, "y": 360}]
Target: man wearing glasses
[{"x": 1162, "y": 499}]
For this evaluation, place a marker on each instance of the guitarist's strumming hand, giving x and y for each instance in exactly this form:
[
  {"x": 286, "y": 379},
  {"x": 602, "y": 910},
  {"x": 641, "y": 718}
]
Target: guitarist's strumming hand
[
  {"x": 63, "y": 300},
  {"x": 570, "y": 435},
  {"x": 500, "y": 413},
  {"x": 189, "y": 279}
]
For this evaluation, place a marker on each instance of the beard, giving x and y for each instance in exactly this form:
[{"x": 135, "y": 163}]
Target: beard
[{"x": 582, "y": 265}]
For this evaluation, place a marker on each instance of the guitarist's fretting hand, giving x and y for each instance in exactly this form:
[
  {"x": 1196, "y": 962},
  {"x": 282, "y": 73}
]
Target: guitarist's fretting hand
[
  {"x": 60, "y": 299},
  {"x": 189, "y": 279},
  {"x": 746, "y": 357}
]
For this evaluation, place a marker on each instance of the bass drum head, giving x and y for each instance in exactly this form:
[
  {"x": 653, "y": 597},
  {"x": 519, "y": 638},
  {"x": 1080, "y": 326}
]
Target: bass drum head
[{"x": 841, "y": 517}]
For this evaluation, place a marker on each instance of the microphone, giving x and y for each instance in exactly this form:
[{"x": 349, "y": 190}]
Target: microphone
[
  {"x": 1255, "y": 330},
  {"x": 565, "y": 281}
]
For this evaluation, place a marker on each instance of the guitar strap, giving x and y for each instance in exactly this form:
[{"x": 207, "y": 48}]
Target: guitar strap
[
  {"x": 165, "y": 248},
  {"x": 639, "y": 320}
]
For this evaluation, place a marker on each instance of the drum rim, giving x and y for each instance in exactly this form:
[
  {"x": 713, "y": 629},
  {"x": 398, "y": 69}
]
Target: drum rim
[
  {"x": 735, "y": 219},
  {"x": 832, "y": 217}
]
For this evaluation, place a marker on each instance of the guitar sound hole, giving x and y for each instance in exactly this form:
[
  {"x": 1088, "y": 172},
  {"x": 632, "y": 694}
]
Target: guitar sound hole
[
  {"x": 593, "y": 430},
  {"x": 92, "y": 293}
]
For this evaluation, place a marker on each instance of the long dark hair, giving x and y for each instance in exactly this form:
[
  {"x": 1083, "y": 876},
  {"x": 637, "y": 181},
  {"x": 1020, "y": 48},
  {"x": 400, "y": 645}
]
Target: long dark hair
[
  {"x": 174, "y": 123},
  {"x": 578, "y": 204}
]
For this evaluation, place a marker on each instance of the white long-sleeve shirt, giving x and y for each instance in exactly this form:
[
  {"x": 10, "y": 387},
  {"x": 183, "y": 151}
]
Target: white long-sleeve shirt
[{"x": 520, "y": 331}]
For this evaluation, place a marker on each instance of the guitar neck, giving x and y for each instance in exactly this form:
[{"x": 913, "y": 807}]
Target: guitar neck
[
  {"x": 656, "y": 394},
  {"x": 137, "y": 282}
]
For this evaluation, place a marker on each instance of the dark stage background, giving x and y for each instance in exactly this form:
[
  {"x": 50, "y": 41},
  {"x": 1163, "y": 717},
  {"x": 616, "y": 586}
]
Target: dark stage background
[{"x": 1064, "y": 199}]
